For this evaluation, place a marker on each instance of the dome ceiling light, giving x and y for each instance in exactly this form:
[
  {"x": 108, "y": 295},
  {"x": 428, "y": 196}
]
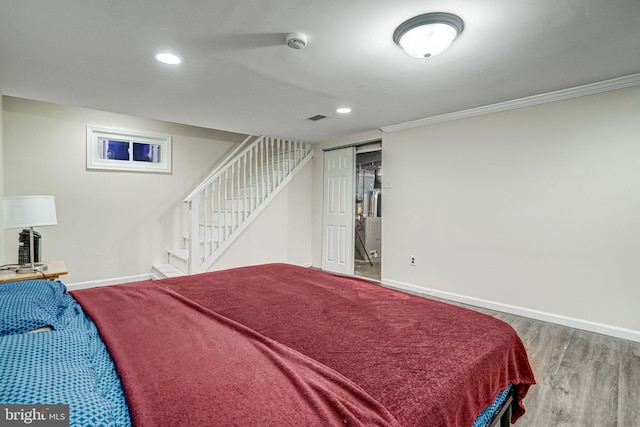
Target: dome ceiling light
[{"x": 428, "y": 35}]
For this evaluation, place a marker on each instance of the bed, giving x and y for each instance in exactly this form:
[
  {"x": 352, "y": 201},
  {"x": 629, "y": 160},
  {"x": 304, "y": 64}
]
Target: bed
[{"x": 262, "y": 345}]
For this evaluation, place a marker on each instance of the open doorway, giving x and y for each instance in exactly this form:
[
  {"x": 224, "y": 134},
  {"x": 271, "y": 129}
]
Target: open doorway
[{"x": 368, "y": 224}]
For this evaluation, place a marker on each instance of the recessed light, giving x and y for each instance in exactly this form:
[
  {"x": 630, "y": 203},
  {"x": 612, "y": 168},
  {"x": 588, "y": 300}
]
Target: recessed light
[
  {"x": 343, "y": 110},
  {"x": 168, "y": 58}
]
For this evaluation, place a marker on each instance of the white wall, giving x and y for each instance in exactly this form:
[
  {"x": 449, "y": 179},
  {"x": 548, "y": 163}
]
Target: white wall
[
  {"x": 532, "y": 211},
  {"x": 110, "y": 224},
  {"x": 535, "y": 209}
]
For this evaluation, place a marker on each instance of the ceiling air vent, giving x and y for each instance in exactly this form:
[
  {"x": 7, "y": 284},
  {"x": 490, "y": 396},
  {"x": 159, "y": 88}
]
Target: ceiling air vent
[{"x": 317, "y": 117}]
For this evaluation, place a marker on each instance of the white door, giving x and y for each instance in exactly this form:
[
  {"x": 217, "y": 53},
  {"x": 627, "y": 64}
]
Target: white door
[{"x": 338, "y": 211}]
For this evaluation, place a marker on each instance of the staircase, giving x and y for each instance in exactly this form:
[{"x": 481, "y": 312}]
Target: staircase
[{"x": 225, "y": 203}]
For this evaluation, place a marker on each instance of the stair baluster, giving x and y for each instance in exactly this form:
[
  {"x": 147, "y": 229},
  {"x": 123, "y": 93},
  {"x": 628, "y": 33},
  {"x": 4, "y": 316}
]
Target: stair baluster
[{"x": 223, "y": 205}]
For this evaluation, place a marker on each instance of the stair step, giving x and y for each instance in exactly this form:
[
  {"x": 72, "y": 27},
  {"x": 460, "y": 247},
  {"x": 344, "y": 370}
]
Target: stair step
[
  {"x": 204, "y": 240},
  {"x": 269, "y": 176},
  {"x": 233, "y": 206},
  {"x": 180, "y": 253},
  {"x": 179, "y": 258},
  {"x": 209, "y": 231},
  {"x": 166, "y": 270}
]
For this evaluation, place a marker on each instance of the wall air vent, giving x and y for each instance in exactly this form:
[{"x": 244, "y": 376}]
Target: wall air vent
[{"x": 317, "y": 117}]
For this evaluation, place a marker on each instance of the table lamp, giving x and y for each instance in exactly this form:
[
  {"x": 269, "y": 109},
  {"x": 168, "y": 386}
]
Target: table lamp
[{"x": 29, "y": 212}]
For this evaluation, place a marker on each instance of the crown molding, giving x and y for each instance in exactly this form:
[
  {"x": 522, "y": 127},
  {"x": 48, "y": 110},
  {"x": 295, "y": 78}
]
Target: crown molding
[{"x": 544, "y": 98}]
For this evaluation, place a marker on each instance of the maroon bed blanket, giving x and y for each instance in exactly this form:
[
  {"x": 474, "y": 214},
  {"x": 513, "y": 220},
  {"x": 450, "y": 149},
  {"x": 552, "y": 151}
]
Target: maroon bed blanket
[
  {"x": 182, "y": 364},
  {"x": 429, "y": 363}
]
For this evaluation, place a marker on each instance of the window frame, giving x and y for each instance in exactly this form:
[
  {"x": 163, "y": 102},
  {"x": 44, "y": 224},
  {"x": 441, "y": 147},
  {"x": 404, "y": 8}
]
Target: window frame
[{"x": 94, "y": 162}]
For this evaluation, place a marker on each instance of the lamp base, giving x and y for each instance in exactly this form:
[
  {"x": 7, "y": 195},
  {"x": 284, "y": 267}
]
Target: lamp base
[{"x": 28, "y": 268}]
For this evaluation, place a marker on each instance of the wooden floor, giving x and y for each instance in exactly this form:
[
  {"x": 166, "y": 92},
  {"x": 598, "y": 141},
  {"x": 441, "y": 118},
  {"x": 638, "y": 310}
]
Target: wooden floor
[
  {"x": 362, "y": 268},
  {"x": 584, "y": 379}
]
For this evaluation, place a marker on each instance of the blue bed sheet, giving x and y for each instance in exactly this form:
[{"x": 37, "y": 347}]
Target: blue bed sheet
[
  {"x": 69, "y": 365},
  {"x": 488, "y": 413}
]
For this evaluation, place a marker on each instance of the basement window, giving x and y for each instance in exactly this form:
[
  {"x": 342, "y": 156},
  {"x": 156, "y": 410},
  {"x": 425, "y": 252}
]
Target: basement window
[{"x": 115, "y": 149}]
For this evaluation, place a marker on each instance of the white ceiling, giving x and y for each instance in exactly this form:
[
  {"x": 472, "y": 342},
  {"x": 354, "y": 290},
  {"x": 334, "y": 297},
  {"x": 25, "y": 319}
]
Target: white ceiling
[{"x": 237, "y": 73}]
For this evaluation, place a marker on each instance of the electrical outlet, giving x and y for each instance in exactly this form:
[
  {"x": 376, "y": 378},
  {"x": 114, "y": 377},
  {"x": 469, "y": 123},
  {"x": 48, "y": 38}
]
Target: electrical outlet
[{"x": 412, "y": 260}]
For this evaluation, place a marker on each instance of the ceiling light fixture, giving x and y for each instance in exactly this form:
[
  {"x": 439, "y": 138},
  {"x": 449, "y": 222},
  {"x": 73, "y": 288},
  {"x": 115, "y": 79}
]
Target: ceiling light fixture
[
  {"x": 343, "y": 110},
  {"x": 428, "y": 35},
  {"x": 168, "y": 58}
]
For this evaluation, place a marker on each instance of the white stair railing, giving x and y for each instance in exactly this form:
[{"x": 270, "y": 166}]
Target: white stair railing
[{"x": 222, "y": 206}]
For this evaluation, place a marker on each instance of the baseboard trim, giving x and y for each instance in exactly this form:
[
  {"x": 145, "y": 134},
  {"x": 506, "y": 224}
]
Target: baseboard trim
[
  {"x": 108, "y": 282},
  {"x": 587, "y": 325},
  {"x": 127, "y": 279}
]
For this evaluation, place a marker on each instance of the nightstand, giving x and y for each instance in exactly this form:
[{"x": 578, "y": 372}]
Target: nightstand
[{"x": 55, "y": 269}]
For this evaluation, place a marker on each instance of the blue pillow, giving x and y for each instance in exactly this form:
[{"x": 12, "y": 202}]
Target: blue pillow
[{"x": 30, "y": 304}]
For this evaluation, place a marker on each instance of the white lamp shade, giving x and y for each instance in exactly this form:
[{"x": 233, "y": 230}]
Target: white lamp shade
[{"x": 29, "y": 211}]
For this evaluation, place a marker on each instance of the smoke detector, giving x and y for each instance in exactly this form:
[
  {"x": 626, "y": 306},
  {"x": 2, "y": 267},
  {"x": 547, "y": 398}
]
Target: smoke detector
[{"x": 296, "y": 41}]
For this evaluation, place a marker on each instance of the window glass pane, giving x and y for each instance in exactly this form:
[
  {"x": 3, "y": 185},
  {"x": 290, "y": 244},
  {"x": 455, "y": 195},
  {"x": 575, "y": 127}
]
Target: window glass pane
[
  {"x": 113, "y": 149},
  {"x": 146, "y": 152}
]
